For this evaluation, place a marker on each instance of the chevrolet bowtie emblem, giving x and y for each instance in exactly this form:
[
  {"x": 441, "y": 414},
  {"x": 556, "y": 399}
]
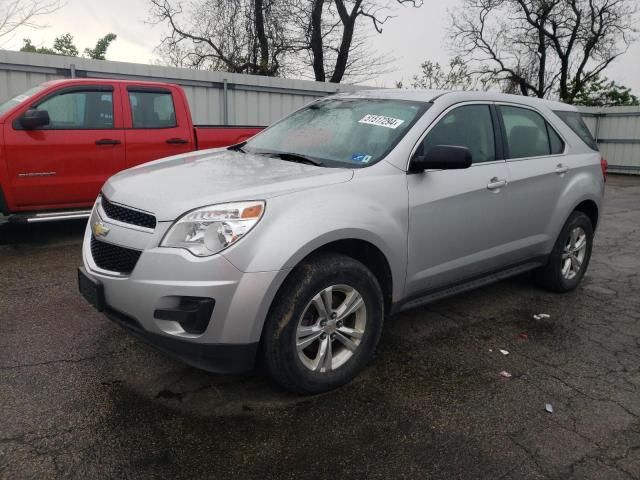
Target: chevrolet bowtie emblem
[{"x": 99, "y": 229}]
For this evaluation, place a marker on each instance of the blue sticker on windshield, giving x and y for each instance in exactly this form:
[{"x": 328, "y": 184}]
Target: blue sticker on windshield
[{"x": 361, "y": 158}]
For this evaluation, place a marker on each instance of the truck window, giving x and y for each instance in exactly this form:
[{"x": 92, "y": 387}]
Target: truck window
[
  {"x": 9, "y": 104},
  {"x": 151, "y": 109},
  {"x": 79, "y": 110}
]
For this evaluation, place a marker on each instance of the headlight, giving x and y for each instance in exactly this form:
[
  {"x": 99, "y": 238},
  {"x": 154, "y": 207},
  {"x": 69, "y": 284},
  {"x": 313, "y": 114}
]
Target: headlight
[{"x": 209, "y": 230}]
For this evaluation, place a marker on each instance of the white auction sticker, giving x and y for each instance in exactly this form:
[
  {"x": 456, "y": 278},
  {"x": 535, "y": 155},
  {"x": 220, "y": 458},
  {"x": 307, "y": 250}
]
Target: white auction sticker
[{"x": 381, "y": 121}]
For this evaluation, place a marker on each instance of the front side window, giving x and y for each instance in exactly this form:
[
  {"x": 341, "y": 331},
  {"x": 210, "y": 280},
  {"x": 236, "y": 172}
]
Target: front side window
[
  {"x": 528, "y": 133},
  {"x": 468, "y": 126},
  {"x": 152, "y": 109},
  {"x": 352, "y": 132},
  {"x": 79, "y": 110}
]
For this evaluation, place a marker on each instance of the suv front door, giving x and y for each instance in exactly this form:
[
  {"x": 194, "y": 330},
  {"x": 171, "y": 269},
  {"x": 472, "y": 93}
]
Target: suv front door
[
  {"x": 65, "y": 163},
  {"x": 458, "y": 224}
]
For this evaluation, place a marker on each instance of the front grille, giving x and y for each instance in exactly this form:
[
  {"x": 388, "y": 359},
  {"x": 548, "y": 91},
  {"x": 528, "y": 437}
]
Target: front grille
[
  {"x": 128, "y": 215},
  {"x": 112, "y": 257}
]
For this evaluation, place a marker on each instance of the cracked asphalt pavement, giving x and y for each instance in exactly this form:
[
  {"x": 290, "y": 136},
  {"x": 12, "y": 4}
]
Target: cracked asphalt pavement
[{"x": 80, "y": 398}]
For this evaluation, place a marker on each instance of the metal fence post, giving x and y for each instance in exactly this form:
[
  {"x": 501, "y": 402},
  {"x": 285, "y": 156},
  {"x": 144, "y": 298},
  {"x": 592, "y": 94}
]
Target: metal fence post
[{"x": 225, "y": 103}]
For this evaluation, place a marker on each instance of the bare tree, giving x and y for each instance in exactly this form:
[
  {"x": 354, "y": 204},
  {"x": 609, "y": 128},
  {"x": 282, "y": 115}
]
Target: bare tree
[
  {"x": 327, "y": 40},
  {"x": 541, "y": 47},
  {"x": 335, "y": 35},
  {"x": 24, "y": 13},
  {"x": 240, "y": 36}
]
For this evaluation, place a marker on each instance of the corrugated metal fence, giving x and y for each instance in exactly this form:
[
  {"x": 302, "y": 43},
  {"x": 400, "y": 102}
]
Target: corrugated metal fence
[
  {"x": 617, "y": 130},
  {"x": 216, "y": 98}
]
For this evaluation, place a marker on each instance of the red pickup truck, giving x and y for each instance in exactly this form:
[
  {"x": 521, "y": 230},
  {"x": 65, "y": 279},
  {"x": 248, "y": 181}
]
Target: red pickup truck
[{"x": 61, "y": 140}]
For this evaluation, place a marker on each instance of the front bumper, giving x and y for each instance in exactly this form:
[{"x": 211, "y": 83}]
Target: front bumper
[
  {"x": 218, "y": 358},
  {"x": 163, "y": 278}
]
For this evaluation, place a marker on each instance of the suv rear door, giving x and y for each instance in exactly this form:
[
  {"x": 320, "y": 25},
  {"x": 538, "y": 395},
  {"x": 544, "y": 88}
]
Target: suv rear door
[
  {"x": 155, "y": 125},
  {"x": 458, "y": 219},
  {"x": 539, "y": 170},
  {"x": 65, "y": 163}
]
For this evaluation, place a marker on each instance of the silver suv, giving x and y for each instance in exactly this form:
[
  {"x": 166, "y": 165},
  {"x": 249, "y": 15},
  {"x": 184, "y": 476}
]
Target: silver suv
[{"x": 289, "y": 250}]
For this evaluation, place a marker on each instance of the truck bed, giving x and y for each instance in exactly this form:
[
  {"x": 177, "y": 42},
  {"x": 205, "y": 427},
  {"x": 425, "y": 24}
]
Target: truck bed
[{"x": 214, "y": 136}]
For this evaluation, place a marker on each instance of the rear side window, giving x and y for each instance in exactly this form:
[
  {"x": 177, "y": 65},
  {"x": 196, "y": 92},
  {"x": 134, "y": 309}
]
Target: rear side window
[
  {"x": 527, "y": 134},
  {"x": 152, "y": 109},
  {"x": 467, "y": 126},
  {"x": 575, "y": 122},
  {"x": 79, "y": 110}
]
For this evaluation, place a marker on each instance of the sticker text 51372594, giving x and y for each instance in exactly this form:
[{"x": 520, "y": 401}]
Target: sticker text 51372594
[{"x": 381, "y": 121}]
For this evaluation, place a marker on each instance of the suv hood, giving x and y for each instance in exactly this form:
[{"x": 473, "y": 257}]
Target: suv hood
[{"x": 168, "y": 188}]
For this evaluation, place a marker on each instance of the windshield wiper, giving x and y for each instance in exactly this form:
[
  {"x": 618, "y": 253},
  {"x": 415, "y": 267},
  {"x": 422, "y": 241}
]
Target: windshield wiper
[
  {"x": 296, "y": 157},
  {"x": 238, "y": 147}
]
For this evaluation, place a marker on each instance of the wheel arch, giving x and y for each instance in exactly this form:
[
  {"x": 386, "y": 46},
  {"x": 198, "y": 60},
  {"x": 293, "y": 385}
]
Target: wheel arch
[
  {"x": 366, "y": 252},
  {"x": 590, "y": 209}
]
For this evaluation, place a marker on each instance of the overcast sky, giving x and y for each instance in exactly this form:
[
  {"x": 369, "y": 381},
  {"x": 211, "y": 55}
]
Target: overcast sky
[{"x": 411, "y": 37}]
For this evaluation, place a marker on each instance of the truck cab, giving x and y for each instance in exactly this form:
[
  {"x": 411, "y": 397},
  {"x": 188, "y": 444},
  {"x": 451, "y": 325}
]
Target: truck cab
[{"x": 61, "y": 140}]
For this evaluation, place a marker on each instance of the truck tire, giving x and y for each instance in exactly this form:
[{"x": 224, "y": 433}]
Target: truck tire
[
  {"x": 570, "y": 256},
  {"x": 324, "y": 324}
]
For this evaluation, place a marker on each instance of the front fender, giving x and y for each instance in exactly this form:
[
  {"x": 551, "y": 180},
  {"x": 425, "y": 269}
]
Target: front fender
[{"x": 296, "y": 224}]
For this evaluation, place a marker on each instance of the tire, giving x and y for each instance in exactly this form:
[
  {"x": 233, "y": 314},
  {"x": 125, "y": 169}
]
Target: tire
[
  {"x": 555, "y": 276},
  {"x": 296, "y": 317}
]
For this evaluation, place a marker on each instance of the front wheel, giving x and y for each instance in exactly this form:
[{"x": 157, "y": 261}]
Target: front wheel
[
  {"x": 570, "y": 257},
  {"x": 324, "y": 325}
]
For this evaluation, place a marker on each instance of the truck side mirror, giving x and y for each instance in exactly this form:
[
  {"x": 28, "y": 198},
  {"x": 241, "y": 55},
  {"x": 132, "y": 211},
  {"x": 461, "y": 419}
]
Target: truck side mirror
[
  {"x": 445, "y": 157},
  {"x": 34, "y": 118}
]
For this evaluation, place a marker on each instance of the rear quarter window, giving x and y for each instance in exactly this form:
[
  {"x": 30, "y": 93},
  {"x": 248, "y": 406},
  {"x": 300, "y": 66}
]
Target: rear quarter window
[{"x": 575, "y": 122}]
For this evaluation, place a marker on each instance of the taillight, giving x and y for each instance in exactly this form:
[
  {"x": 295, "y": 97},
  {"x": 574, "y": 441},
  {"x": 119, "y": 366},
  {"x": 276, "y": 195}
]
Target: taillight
[{"x": 604, "y": 165}]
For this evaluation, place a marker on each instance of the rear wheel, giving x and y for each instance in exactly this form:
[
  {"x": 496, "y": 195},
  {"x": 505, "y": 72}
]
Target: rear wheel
[
  {"x": 324, "y": 324},
  {"x": 570, "y": 257}
]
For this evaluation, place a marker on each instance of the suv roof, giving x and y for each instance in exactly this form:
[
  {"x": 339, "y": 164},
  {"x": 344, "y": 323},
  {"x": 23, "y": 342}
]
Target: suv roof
[{"x": 454, "y": 96}]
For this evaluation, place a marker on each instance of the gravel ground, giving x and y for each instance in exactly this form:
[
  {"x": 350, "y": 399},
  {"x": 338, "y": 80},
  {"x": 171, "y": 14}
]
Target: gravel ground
[{"x": 82, "y": 399}]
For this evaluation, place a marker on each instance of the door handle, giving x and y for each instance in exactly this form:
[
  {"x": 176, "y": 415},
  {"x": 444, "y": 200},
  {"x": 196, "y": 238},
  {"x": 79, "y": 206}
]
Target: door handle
[
  {"x": 177, "y": 141},
  {"x": 560, "y": 169},
  {"x": 496, "y": 183},
  {"x": 108, "y": 141}
]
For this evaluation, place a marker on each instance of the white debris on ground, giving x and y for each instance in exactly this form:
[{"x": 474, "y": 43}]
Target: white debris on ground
[
  {"x": 548, "y": 407},
  {"x": 505, "y": 374},
  {"x": 504, "y": 352},
  {"x": 540, "y": 316}
]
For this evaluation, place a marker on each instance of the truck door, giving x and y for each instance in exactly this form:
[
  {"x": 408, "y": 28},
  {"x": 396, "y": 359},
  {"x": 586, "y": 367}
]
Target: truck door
[
  {"x": 65, "y": 163},
  {"x": 156, "y": 126}
]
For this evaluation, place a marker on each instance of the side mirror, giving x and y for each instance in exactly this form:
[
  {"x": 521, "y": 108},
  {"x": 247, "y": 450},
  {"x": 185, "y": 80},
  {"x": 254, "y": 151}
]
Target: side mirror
[
  {"x": 445, "y": 157},
  {"x": 34, "y": 118}
]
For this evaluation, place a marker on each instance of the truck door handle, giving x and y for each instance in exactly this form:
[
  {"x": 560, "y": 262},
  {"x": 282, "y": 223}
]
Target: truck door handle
[
  {"x": 177, "y": 141},
  {"x": 495, "y": 183},
  {"x": 108, "y": 141},
  {"x": 560, "y": 169}
]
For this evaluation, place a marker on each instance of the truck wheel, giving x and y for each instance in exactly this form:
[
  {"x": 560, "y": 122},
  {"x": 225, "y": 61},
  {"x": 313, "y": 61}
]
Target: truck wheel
[
  {"x": 570, "y": 256},
  {"x": 324, "y": 324}
]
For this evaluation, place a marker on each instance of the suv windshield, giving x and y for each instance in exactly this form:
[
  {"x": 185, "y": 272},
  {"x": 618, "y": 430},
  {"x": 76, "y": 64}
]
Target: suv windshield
[
  {"x": 340, "y": 132},
  {"x": 9, "y": 104}
]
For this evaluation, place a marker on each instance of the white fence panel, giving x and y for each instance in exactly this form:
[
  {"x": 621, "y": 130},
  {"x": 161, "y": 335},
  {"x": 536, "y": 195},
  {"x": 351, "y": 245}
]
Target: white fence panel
[{"x": 617, "y": 130}]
